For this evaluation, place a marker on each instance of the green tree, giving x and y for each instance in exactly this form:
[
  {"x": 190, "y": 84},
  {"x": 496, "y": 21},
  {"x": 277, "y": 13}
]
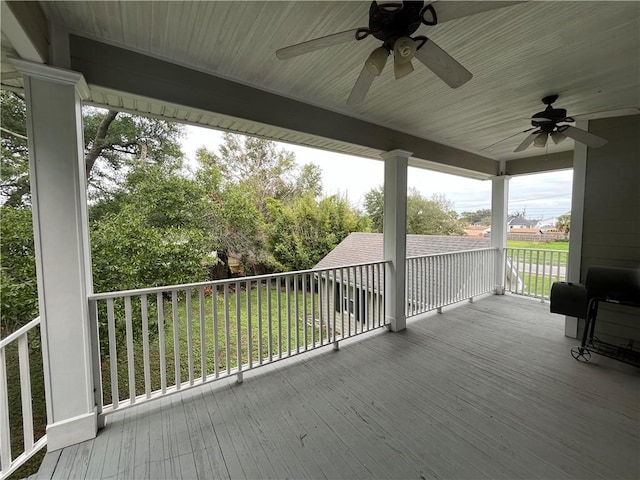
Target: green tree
[
  {"x": 18, "y": 289},
  {"x": 14, "y": 169},
  {"x": 434, "y": 216},
  {"x": 301, "y": 233},
  {"x": 374, "y": 206},
  {"x": 480, "y": 217},
  {"x": 564, "y": 223}
]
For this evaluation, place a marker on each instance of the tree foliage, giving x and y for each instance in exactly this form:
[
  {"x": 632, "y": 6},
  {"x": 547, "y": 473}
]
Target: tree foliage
[
  {"x": 425, "y": 216},
  {"x": 479, "y": 217},
  {"x": 564, "y": 223},
  {"x": 18, "y": 289},
  {"x": 14, "y": 169},
  {"x": 302, "y": 233}
]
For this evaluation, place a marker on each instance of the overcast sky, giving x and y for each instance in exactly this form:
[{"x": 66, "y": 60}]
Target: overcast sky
[{"x": 541, "y": 196}]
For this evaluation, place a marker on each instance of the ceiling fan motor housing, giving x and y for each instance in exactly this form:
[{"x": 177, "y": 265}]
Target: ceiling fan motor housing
[{"x": 388, "y": 26}]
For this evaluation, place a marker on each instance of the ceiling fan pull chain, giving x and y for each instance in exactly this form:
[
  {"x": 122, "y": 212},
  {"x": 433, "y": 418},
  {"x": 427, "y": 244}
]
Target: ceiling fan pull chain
[{"x": 434, "y": 18}]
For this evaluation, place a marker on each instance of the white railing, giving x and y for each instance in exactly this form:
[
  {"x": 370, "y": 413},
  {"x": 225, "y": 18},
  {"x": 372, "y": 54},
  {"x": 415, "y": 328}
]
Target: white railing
[
  {"x": 435, "y": 281},
  {"x": 531, "y": 272},
  {"x": 156, "y": 341},
  {"x": 30, "y": 444}
]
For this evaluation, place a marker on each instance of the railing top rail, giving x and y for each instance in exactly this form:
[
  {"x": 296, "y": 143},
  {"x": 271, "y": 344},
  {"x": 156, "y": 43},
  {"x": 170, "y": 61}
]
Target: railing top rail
[
  {"x": 453, "y": 253},
  {"x": 18, "y": 333},
  {"x": 537, "y": 249},
  {"x": 168, "y": 288}
]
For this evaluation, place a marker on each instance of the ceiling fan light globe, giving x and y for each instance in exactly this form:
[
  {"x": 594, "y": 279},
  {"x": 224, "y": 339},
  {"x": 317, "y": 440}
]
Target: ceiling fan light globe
[
  {"x": 541, "y": 140},
  {"x": 377, "y": 60},
  {"x": 389, "y": 6},
  {"x": 402, "y": 69},
  {"x": 558, "y": 137},
  {"x": 404, "y": 49}
]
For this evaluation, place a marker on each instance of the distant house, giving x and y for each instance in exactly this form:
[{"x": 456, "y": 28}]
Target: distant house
[
  {"x": 521, "y": 222},
  {"x": 357, "y": 292}
]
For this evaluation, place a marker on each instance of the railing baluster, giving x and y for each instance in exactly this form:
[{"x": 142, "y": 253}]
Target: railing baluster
[
  {"x": 321, "y": 283},
  {"x": 238, "y": 334},
  {"x": 145, "y": 345},
  {"x": 349, "y": 308},
  {"x": 259, "y": 314},
  {"x": 544, "y": 274},
  {"x": 269, "y": 322},
  {"x": 296, "y": 311},
  {"x": 189, "y": 334},
  {"x": 227, "y": 335},
  {"x": 279, "y": 311},
  {"x": 5, "y": 429},
  {"x": 287, "y": 289},
  {"x": 304, "y": 309},
  {"x": 96, "y": 359},
  {"x": 161, "y": 343},
  {"x": 216, "y": 344},
  {"x": 25, "y": 392},
  {"x": 249, "y": 325},
  {"x": 333, "y": 310},
  {"x": 312, "y": 288},
  {"x": 113, "y": 359},
  {"x": 176, "y": 338},
  {"x": 203, "y": 336},
  {"x": 326, "y": 273}
]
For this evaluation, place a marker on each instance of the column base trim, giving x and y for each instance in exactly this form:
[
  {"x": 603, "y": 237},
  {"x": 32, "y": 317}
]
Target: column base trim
[
  {"x": 71, "y": 431},
  {"x": 397, "y": 324}
]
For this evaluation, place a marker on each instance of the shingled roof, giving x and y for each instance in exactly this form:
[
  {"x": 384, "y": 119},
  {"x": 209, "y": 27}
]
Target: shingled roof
[{"x": 361, "y": 247}]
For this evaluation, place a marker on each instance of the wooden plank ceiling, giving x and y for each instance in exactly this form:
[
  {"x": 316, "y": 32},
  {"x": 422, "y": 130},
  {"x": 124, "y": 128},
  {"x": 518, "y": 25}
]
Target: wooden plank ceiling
[{"x": 587, "y": 52}]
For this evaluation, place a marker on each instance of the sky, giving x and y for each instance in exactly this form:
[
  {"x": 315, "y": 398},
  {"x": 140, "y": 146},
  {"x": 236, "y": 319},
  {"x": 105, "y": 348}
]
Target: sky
[{"x": 539, "y": 196}]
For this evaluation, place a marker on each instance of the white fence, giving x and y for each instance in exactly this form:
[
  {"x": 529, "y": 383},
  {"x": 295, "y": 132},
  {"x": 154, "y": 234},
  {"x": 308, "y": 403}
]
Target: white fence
[
  {"x": 170, "y": 338},
  {"x": 9, "y": 461},
  {"x": 434, "y": 281},
  {"x": 531, "y": 272}
]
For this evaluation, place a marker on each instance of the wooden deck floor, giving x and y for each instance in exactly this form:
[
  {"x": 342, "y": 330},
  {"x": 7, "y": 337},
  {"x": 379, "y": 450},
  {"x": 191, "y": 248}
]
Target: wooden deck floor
[{"x": 484, "y": 390}]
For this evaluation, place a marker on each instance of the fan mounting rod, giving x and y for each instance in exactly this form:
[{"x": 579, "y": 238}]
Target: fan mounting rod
[{"x": 388, "y": 26}]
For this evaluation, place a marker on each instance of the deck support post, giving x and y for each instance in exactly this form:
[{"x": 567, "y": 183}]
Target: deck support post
[
  {"x": 61, "y": 240},
  {"x": 395, "y": 236},
  {"x": 499, "y": 227},
  {"x": 574, "y": 257}
]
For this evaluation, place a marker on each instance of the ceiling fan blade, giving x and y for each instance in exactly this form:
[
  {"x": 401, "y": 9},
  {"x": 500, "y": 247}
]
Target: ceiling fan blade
[
  {"x": 446, "y": 11},
  {"x": 443, "y": 65},
  {"x": 361, "y": 87},
  {"x": 316, "y": 44},
  {"x": 526, "y": 142},
  {"x": 507, "y": 138},
  {"x": 579, "y": 135}
]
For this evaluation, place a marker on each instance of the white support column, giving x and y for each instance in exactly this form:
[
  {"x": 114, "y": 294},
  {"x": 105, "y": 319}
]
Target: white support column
[
  {"x": 395, "y": 236},
  {"x": 63, "y": 265},
  {"x": 574, "y": 258},
  {"x": 499, "y": 211}
]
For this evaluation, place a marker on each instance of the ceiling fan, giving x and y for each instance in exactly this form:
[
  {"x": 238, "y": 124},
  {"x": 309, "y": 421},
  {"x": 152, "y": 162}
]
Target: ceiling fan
[
  {"x": 545, "y": 125},
  {"x": 394, "y": 23}
]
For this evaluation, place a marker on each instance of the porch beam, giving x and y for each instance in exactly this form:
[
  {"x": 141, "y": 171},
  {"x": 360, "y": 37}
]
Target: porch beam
[
  {"x": 395, "y": 236},
  {"x": 539, "y": 163},
  {"x": 140, "y": 75},
  {"x": 499, "y": 227},
  {"x": 63, "y": 265},
  {"x": 26, "y": 27}
]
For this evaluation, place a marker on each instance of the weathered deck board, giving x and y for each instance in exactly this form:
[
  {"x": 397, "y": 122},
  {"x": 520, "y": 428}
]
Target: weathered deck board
[{"x": 484, "y": 390}]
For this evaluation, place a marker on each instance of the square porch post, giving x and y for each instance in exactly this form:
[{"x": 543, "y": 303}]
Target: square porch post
[
  {"x": 499, "y": 227},
  {"x": 395, "y": 236},
  {"x": 63, "y": 265}
]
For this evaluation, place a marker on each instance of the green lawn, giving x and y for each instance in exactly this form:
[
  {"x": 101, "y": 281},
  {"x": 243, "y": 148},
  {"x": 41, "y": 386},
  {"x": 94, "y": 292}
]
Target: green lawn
[
  {"x": 284, "y": 335},
  {"x": 550, "y": 245}
]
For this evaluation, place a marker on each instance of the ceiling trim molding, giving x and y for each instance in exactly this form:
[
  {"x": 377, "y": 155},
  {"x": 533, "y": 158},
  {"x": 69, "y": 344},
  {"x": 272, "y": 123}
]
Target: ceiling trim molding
[{"x": 138, "y": 74}]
